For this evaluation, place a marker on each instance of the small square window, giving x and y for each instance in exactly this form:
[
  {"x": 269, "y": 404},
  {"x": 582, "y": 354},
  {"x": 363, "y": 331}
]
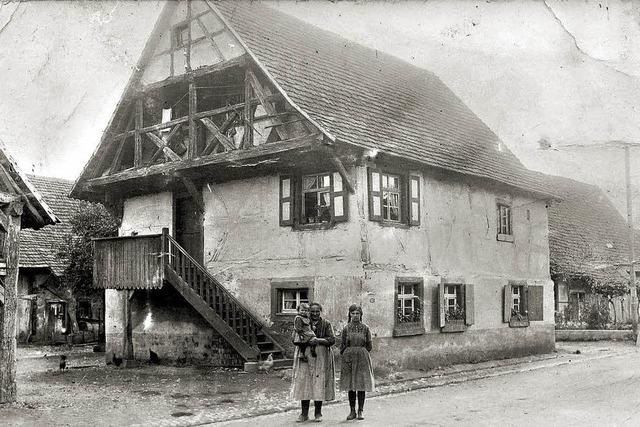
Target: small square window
[
  {"x": 180, "y": 35},
  {"x": 290, "y": 299}
]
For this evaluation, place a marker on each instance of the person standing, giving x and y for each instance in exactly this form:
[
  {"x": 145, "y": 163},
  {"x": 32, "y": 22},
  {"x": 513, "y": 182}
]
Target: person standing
[
  {"x": 315, "y": 381},
  {"x": 356, "y": 375}
]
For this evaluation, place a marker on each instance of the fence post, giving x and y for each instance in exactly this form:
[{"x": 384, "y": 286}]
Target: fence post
[{"x": 164, "y": 245}]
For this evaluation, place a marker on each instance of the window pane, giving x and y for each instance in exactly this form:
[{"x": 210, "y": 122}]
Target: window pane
[
  {"x": 286, "y": 211},
  {"x": 414, "y": 188},
  {"x": 337, "y": 182},
  {"x": 414, "y": 211},
  {"x": 376, "y": 206},
  {"x": 286, "y": 188},
  {"x": 375, "y": 182},
  {"x": 385, "y": 181},
  {"x": 338, "y": 206},
  {"x": 394, "y": 214},
  {"x": 310, "y": 182},
  {"x": 326, "y": 181}
]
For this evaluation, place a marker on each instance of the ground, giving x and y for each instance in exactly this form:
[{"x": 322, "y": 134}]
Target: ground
[{"x": 190, "y": 395}]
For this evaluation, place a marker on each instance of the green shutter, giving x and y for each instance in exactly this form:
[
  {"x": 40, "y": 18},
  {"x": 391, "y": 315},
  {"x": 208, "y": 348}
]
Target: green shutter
[{"x": 286, "y": 200}]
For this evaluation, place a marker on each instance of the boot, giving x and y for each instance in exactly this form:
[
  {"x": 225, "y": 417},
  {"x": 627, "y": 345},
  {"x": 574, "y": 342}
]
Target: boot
[
  {"x": 352, "y": 415},
  {"x": 360, "y": 416}
]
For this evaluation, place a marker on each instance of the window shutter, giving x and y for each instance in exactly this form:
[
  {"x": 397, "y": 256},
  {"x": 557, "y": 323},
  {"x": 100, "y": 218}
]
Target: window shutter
[
  {"x": 506, "y": 309},
  {"x": 375, "y": 195},
  {"x": 468, "y": 304},
  {"x": 441, "y": 306},
  {"x": 535, "y": 302},
  {"x": 286, "y": 200},
  {"x": 339, "y": 204},
  {"x": 414, "y": 200}
]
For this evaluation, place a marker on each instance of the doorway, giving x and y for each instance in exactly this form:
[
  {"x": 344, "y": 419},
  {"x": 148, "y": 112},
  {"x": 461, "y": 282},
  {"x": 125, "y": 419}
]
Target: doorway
[{"x": 189, "y": 227}]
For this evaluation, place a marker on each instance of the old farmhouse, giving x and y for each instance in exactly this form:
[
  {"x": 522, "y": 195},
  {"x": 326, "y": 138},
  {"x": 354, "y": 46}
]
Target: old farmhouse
[
  {"x": 43, "y": 305},
  {"x": 258, "y": 162},
  {"x": 588, "y": 242}
]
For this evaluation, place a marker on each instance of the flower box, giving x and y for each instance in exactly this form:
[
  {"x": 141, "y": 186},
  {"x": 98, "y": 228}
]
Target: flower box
[
  {"x": 454, "y": 326},
  {"x": 514, "y": 322}
]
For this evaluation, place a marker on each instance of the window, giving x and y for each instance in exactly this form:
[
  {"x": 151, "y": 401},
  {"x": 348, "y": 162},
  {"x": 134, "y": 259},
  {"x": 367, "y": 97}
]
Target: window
[
  {"x": 504, "y": 232},
  {"x": 394, "y": 198},
  {"x": 456, "y": 306},
  {"x": 522, "y": 303},
  {"x": 312, "y": 200},
  {"x": 180, "y": 35},
  {"x": 409, "y": 307},
  {"x": 316, "y": 198},
  {"x": 290, "y": 299},
  {"x": 287, "y": 295},
  {"x": 390, "y": 197},
  {"x": 83, "y": 310}
]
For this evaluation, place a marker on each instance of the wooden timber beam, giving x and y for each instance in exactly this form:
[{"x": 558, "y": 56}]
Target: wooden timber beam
[
  {"x": 247, "y": 139},
  {"x": 197, "y": 116},
  {"x": 167, "y": 139},
  {"x": 192, "y": 149},
  {"x": 9, "y": 309},
  {"x": 221, "y": 66},
  {"x": 10, "y": 182},
  {"x": 335, "y": 160},
  {"x": 4, "y": 221},
  {"x": 343, "y": 173},
  {"x": 263, "y": 94},
  {"x": 212, "y": 140},
  {"x": 307, "y": 141},
  {"x": 196, "y": 195},
  {"x": 137, "y": 151},
  {"x": 162, "y": 146},
  {"x": 217, "y": 133},
  {"x": 116, "y": 158}
]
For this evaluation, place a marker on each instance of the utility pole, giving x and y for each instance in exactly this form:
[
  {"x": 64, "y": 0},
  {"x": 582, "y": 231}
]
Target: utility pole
[{"x": 632, "y": 270}]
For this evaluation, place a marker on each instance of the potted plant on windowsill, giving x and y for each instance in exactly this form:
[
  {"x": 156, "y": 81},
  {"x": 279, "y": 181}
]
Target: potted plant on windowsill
[
  {"x": 454, "y": 320},
  {"x": 408, "y": 324},
  {"x": 519, "y": 320}
]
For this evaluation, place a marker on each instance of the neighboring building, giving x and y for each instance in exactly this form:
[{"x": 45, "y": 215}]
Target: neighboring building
[
  {"x": 43, "y": 312},
  {"x": 290, "y": 165},
  {"x": 588, "y": 240}
]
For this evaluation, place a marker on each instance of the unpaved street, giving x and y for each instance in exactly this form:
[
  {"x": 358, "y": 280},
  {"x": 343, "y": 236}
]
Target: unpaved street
[{"x": 601, "y": 392}]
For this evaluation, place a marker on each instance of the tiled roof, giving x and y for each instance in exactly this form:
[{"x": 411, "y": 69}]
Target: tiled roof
[
  {"x": 586, "y": 232},
  {"x": 38, "y": 248},
  {"x": 373, "y": 100}
]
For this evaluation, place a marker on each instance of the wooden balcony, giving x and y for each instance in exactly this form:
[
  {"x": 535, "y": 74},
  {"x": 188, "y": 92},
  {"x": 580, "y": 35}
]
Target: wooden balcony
[{"x": 132, "y": 262}]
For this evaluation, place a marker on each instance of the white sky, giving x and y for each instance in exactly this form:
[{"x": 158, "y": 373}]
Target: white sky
[{"x": 566, "y": 71}]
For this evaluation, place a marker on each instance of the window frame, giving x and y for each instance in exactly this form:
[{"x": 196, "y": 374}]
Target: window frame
[
  {"x": 408, "y": 191},
  {"x": 504, "y": 229},
  {"x": 409, "y": 328},
  {"x": 277, "y": 296},
  {"x": 292, "y": 200},
  {"x": 465, "y": 301}
]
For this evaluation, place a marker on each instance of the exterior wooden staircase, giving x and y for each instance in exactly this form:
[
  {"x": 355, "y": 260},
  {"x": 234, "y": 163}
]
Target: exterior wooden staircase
[
  {"x": 219, "y": 307},
  {"x": 152, "y": 261}
]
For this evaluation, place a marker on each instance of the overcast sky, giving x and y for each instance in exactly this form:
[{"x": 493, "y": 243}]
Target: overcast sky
[{"x": 565, "y": 71}]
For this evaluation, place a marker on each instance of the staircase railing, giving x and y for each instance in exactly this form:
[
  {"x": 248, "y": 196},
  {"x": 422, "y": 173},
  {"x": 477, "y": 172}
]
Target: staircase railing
[{"x": 214, "y": 294}]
